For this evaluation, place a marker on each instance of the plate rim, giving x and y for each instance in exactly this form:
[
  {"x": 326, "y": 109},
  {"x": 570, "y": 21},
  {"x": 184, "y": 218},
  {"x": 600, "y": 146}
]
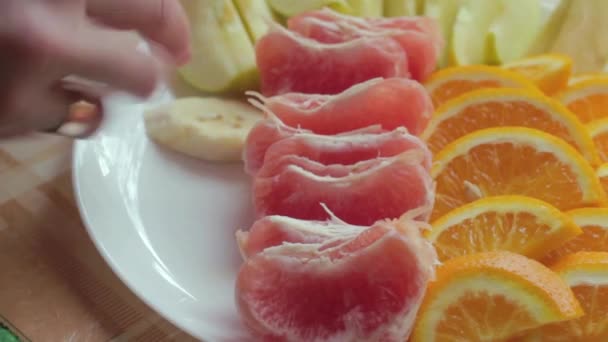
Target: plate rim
[{"x": 77, "y": 153}]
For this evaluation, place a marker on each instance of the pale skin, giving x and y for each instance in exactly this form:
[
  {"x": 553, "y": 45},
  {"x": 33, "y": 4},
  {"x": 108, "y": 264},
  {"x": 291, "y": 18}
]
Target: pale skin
[{"x": 44, "y": 41}]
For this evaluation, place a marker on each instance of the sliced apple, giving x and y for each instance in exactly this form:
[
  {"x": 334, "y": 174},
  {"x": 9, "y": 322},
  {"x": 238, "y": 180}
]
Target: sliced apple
[
  {"x": 554, "y": 13},
  {"x": 256, "y": 15},
  {"x": 470, "y": 32},
  {"x": 367, "y": 8},
  {"x": 223, "y": 58},
  {"x": 513, "y": 30},
  {"x": 583, "y": 35},
  {"x": 444, "y": 12},
  {"x": 399, "y": 8},
  {"x": 288, "y": 8}
]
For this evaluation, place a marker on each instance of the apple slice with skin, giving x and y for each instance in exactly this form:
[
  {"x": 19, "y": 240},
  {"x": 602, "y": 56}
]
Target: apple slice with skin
[
  {"x": 399, "y": 8},
  {"x": 554, "y": 13},
  {"x": 513, "y": 30},
  {"x": 444, "y": 12},
  {"x": 223, "y": 58},
  {"x": 367, "y": 8},
  {"x": 288, "y": 8},
  {"x": 470, "y": 32},
  {"x": 256, "y": 15},
  {"x": 583, "y": 35}
]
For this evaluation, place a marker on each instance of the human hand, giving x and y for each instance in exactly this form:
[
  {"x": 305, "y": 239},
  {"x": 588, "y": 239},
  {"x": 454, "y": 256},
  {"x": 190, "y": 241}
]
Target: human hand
[{"x": 44, "y": 43}]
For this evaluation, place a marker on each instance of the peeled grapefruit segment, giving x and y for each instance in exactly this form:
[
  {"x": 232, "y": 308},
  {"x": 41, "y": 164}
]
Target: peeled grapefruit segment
[
  {"x": 270, "y": 131},
  {"x": 390, "y": 103},
  {"x": 290, "y": 62},
  {"x": 360, "y": 194},
  {"x": 419, "y": 37},
  {"x": 363, "y": 284},
  {"x": 347, "y": 149}
]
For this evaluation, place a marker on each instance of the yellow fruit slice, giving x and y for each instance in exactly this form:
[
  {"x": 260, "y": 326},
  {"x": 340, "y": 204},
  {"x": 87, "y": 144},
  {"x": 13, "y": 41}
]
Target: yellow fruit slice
[
  {"x": 517, "y": 224},
  {"x": 470, "y": 31},
  {"x": 367, "y": 8},
  {"x": 230, "y": 65},
  {"x": 256, "y": 15},
  {"x": 554, "y": 13},
  {"x": 452, "y": 82},
  {"x": 599, "y": 133},
  {"x": 574, "y": 79},
  {"x": 587, "y": 275},
  {"x": 513, "y": 161},
  {"x": 506, "y": 107},
  {"x": 399, "y": 8},
  {"x": 550, "y": 72},
  {"x": 444, "y": 12},
  {"x": 288, "y": 8},
  {"x": 513, "y": 30},
  {"x": 594, "y": 224},
  {"x": 491, "y": 297},
  {"x": 602, "y": 174},
  {"x": 587, "y": 99},
  {"x": 583, "y": 35}
]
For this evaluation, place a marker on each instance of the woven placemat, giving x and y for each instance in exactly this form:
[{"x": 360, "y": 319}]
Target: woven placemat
[{"x": 54, "y": 284}]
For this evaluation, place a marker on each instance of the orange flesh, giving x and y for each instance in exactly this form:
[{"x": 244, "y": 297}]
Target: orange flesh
[
  {"x": 515, "y": 232},
  {"x": 589, "y": 108},
  {"x": 506, "y": 169},
  {"x": 494, "y": 114},
  {"x": 456, "y": 88},
  {"x": 549, "y": 81},
  {"x": 604, "y": 182},
  {"x": 592, "y": 327},
  {"x": 482, "y": 317},
  {"x": 601, "y": 143},
  {"x": 593, "y": 239}
]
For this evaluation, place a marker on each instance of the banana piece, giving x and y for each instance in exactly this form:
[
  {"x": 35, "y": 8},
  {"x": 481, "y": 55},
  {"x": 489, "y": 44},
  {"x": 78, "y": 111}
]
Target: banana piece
[
  {"x": 223, "y": 57},
  {"x": 208, "y": 128}
]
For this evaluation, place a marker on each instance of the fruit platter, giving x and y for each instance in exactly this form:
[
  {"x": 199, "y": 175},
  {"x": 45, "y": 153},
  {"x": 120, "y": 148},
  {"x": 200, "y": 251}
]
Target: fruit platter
[{"x": 365, "y": 170}]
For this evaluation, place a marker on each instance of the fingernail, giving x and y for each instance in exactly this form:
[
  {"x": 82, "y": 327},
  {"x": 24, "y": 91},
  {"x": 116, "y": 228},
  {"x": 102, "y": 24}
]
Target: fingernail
[{"x": 82, "y": 120}]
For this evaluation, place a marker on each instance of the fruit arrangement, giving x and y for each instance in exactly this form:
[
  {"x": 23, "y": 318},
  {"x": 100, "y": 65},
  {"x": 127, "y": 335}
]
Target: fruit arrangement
[
  {"x": 475, "y": 32},
  {"x": 520, "y": 185},
  {"x": 397, "y": 202}
]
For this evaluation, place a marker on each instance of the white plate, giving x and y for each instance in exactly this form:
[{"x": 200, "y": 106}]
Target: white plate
[{"x": 163, "y": 222}]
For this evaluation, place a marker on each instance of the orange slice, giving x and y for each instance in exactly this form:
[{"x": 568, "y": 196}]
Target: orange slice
[
  {"x": 594, "y": 224},
  {"x": 506, "y": 107},
  {"x": 574, "y": 79},
  {"x": 518, "y": 224},
  {"x": 599, "y": 133},
  {"x": 587, "y": 99},
  {"x": 491, "y": 297},
  {"x": 452, "y": 82},
  {"x": 513, "y": 161},
  {"x": 602, "y": 174},
  {"x": 550, "y": 72},
  {"x": 587, "y": 275}
]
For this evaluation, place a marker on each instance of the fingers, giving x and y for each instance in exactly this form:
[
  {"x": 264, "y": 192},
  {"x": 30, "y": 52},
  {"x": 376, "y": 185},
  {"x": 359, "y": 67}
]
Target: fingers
[
  {"x": 99, "y": 54},
  {"x": 34, "y": 111},
  {"x": 162, "y": 21}
]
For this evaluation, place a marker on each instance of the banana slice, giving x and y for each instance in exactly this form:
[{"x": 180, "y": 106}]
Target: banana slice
[{"x": 208, "y": 128}]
